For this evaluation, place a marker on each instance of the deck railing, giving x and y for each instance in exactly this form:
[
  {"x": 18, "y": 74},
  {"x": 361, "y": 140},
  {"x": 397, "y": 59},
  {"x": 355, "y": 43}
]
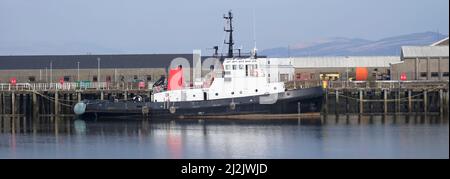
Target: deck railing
[
  {"x": 387, "y": 84},
  {"x": 289, "y": 85},
  {"x": 74, "y": 86}
]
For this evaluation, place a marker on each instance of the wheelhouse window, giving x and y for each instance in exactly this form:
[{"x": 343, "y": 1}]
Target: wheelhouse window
[
  {"x": 31, "y": 79},
  {"x": 246, "y": 70},
  {"x": 108, "y": 78}
]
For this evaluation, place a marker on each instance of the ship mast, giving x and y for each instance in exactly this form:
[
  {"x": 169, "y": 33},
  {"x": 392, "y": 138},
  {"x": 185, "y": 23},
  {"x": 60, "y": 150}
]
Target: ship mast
[{"x": 230, "y": 30}]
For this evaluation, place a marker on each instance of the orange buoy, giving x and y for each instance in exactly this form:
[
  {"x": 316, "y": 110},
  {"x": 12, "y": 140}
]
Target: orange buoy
[{"x": 362, "y": 73}]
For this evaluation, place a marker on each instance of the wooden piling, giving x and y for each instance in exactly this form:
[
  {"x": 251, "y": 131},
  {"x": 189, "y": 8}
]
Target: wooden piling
[
  {"x": 425, "y": 101},
  {"x": 13, "y": 103},
  {"x": 79, "y": 96},
  {"x": 446, "y": 100},
  {"x": 441, "y": 101},
  {"x": 101, "y": 95},
  {"x": 326, "y": 101},
  {"x": 385, "y": 102},
  {"x": 35, "y": 108},
  {"x": 409, "y": 101},
  {"x": 361, "y": 102},
  {"x": 69, "y": 102},
  {"x": 1, "y": 103},
  {"x": 337, "y": 97},
  {"x": 125, "y": 95},
  {"x": 397, "y": 106},
  {"x": 56, "y": 103}
]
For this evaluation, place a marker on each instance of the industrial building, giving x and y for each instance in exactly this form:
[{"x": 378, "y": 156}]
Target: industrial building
[
  {"x": 95, "y": 68},
  {"x": 423, "y": 62},
  {"x": 415, "y": 63},
  {"x": 343, "y": 68},
  {"x": 149, "y": 68}
]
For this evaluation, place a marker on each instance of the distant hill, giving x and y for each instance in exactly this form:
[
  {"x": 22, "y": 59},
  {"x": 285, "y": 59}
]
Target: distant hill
[{"x": 354, "y": 47}]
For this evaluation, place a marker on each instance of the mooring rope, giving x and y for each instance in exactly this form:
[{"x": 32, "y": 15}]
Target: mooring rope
[{"x": 53, "y": 99}]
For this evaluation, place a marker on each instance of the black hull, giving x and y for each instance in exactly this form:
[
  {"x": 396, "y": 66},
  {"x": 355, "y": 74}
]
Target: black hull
[{"x": 305, "y": 100}]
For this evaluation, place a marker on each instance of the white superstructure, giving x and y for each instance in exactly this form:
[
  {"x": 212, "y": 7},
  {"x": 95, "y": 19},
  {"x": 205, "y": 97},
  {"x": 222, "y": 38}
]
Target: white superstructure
[{"x": 241, "y": 77}]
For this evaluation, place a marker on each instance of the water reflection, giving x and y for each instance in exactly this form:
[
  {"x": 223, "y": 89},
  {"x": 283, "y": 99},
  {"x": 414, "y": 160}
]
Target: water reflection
[{"x": 331, "y": 136}]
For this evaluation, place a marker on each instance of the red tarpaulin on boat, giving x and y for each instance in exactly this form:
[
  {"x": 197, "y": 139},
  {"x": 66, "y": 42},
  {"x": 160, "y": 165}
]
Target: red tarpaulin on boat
[{"x": 176, "y": 81}]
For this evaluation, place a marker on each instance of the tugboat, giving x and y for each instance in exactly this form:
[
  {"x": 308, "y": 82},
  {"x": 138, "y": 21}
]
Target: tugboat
[{"x": 239, "y": 86}]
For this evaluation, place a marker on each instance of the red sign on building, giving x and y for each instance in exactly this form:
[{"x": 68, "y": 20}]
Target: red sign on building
[
  {"x": 403, "y": 76},
  {"x": 141, "y": 84},
  {"x": 13, "y": 81},
  {"x": 61, "y": 81}
]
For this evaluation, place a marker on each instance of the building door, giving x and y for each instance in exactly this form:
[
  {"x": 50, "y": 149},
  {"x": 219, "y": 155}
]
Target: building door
[{"x": 205, "y": 96}]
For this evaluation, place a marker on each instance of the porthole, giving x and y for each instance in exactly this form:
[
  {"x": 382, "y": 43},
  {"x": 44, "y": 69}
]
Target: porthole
[
  {"x": 232, "y": 93},
  {"x": 217, "y": 94},
  {"x": 274, "y": 88},
  {"x": 240, "y": 92},
  {"x": 193, "y": 95},
  {"x": 256, "y": 90}
]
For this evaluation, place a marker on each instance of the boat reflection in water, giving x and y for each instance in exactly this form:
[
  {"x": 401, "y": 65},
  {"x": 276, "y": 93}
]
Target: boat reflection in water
[{"x": 331, "y": 136}]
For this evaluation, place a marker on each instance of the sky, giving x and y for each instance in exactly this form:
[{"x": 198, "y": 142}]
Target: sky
[{"x": 180, "y": 26}]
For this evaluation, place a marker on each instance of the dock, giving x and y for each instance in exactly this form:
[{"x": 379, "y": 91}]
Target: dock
[
  {"x": 342, "y": 97},
  {"x": 59, "y": 99},
  {"x": 387, "y": 97}
]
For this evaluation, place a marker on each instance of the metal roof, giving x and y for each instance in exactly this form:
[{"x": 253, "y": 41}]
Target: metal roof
[
  {"x": 442, "y": 42},
  {"x": 90, "y": 61},
  {"x": 424, "y": 51},
  {"x": 342, "y": 62}
]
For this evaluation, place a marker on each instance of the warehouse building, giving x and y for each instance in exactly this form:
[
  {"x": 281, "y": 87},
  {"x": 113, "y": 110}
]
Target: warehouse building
[
  {"x": 423, "y": 62},
  {"x": 95, "y": 68},
  {"x": 343, "y": 68}
]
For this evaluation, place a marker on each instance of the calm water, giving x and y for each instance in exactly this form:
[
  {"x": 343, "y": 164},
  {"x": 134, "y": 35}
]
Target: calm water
[{"x": 329, "y": 137}]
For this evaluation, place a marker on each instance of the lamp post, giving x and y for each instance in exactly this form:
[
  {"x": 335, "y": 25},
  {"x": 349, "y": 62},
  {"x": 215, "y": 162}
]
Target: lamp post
[
  {"x": 78, "y": 71},
  {"x": 346, "y": 71},
  {"x": 51, "y": 72},
  {"x": 98, "y": 72}
]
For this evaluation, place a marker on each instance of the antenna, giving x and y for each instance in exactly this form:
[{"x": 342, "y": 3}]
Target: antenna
[
  {"x": 254, "y": 51},
  {"x": 289, "y": 51},
  {"x": 230, "y": 42},
  {"x": 254, "y": 27}
]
